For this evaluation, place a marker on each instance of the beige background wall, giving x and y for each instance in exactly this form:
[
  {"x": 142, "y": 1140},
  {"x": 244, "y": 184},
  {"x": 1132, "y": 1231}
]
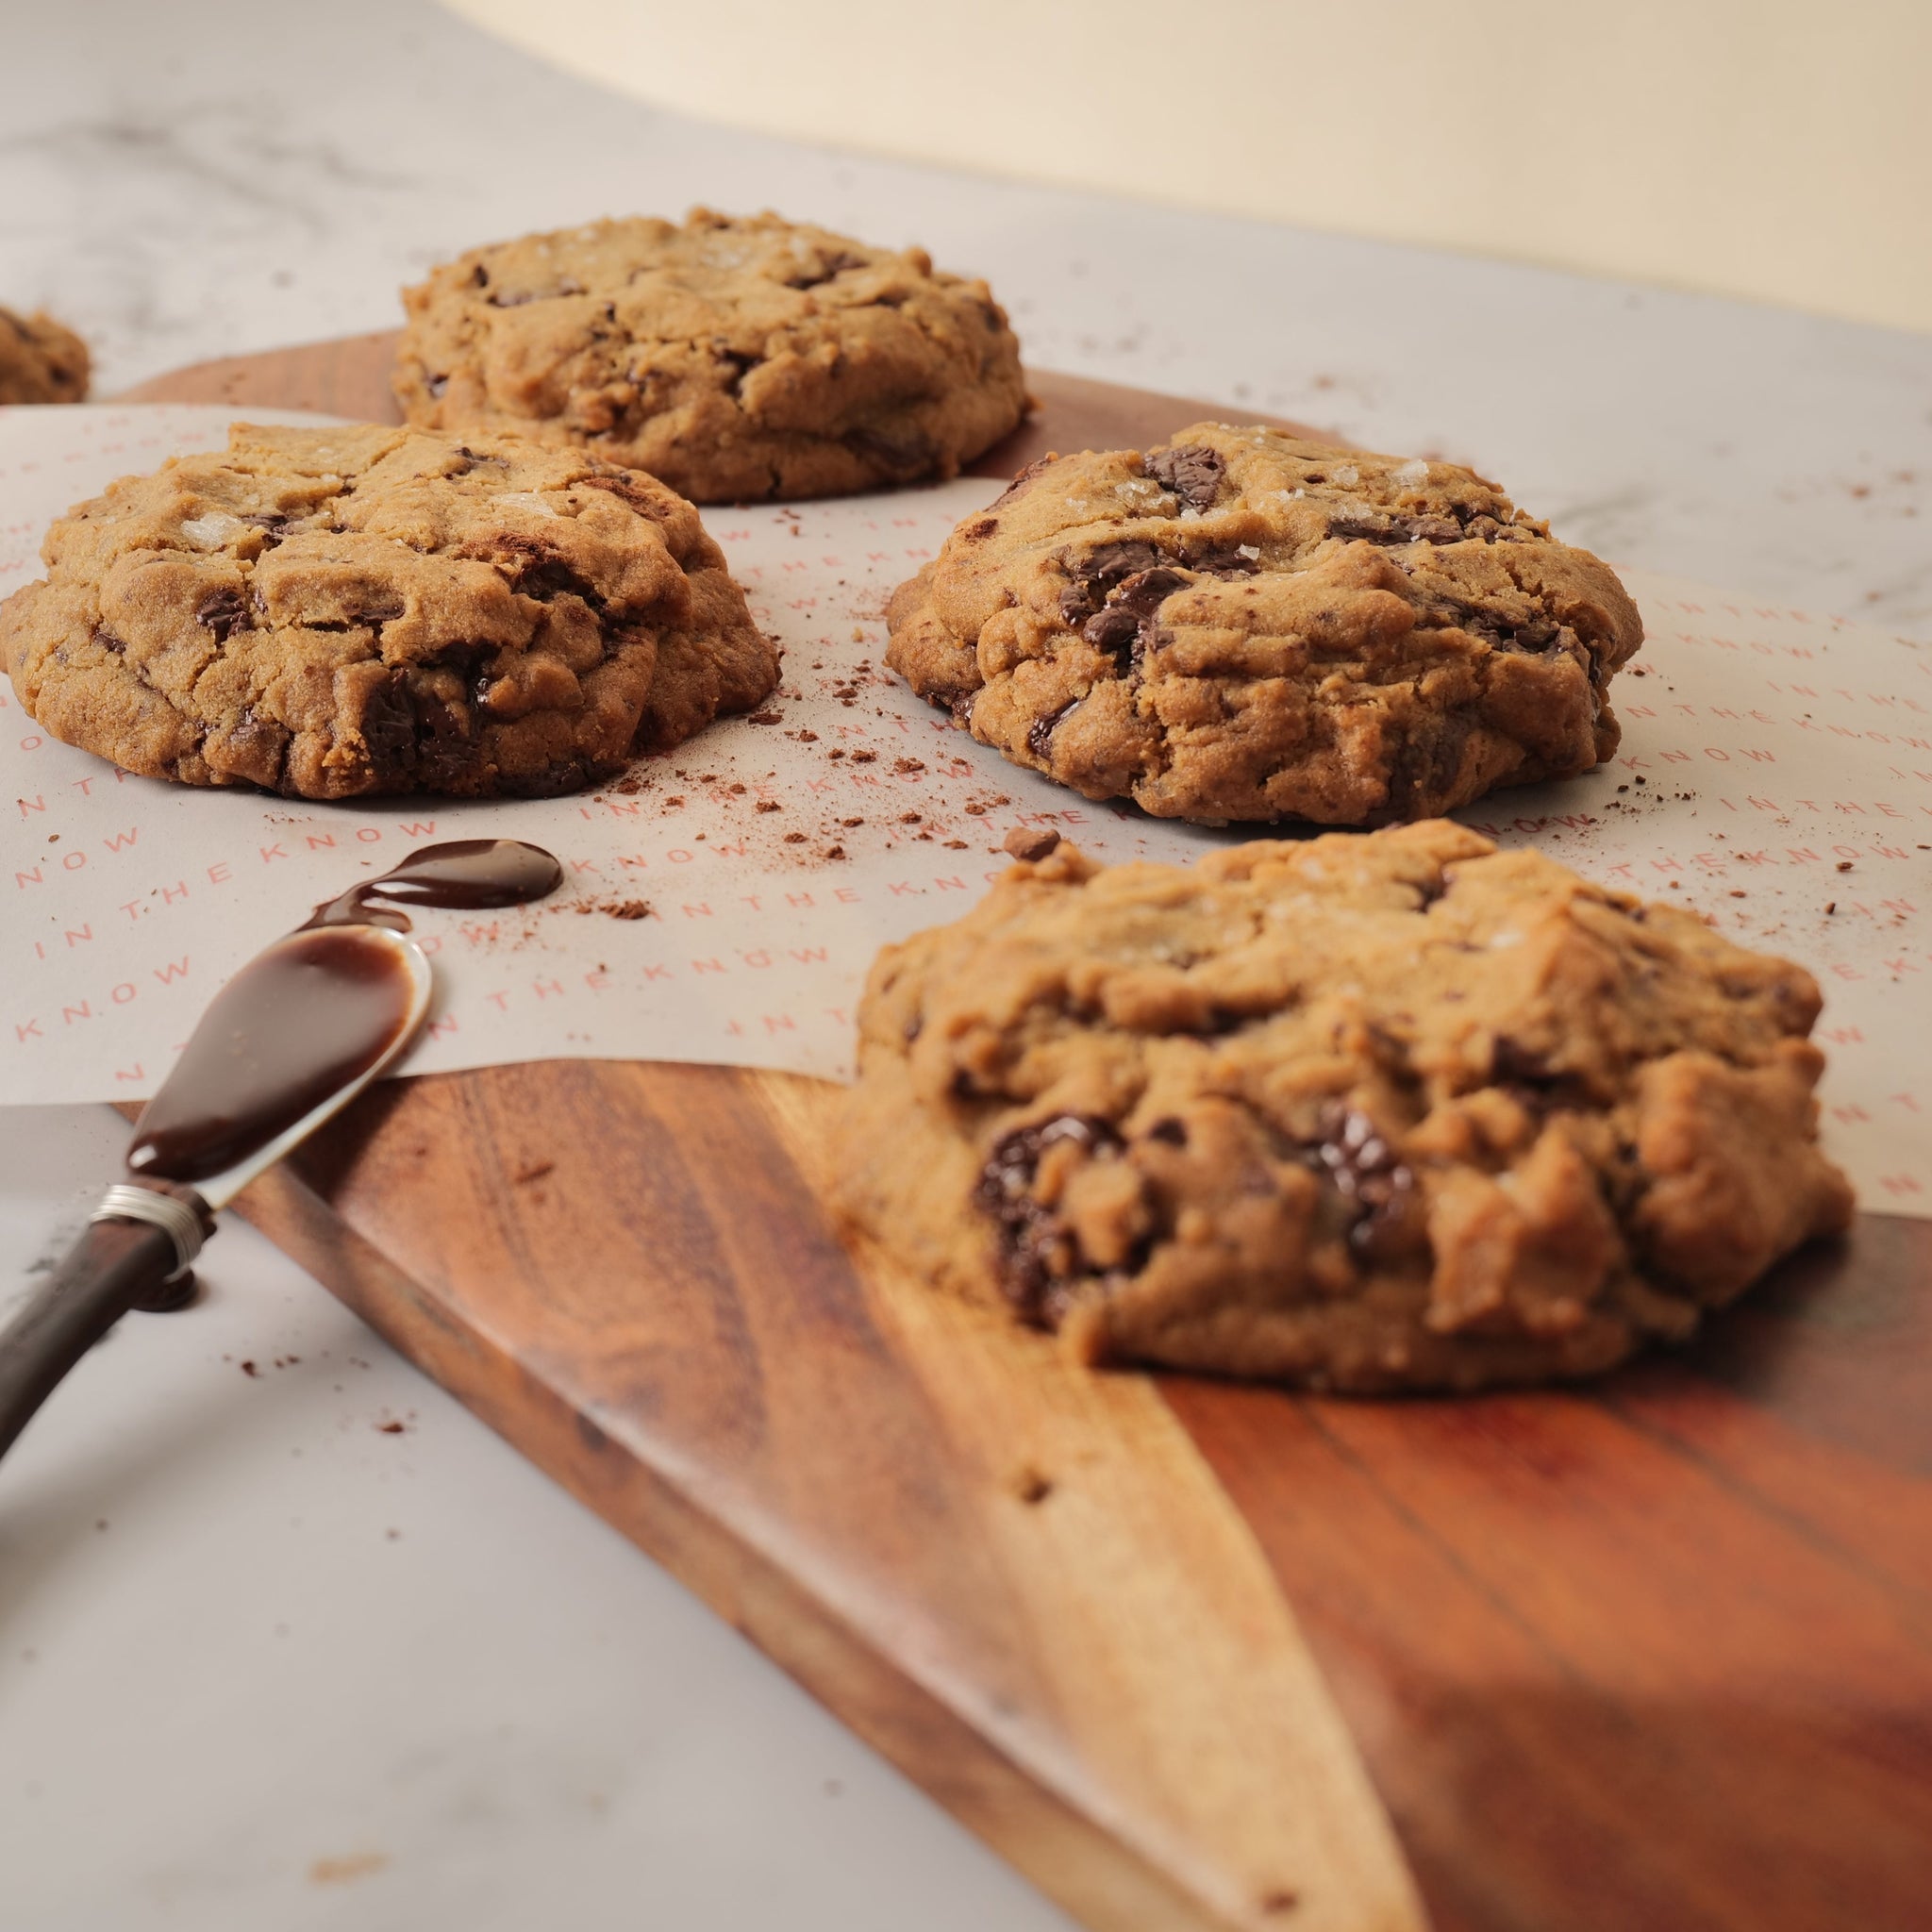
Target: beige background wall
[{"x": 1780, "y": 149}]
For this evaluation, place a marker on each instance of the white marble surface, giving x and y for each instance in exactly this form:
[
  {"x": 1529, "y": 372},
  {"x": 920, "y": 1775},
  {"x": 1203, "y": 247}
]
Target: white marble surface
[{"x": 244, "y": 1701}]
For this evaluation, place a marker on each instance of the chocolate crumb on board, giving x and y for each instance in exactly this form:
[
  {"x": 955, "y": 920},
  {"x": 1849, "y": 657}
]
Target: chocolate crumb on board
[
  {"x": 1030, "y": 842},
  {"x": 1030, "y": 1485}
]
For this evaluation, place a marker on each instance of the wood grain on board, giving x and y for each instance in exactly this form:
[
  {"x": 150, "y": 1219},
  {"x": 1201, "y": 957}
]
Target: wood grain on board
[{"x": 1650, "y": 1655}]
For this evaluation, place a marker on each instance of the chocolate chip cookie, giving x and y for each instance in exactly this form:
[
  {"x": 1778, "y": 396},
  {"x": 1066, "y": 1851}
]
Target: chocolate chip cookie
[
  {"x": 737, "y": 358},
  {"x": 1395, "y": 1111},
  {"x": 1243, "y": 626},
  {"x": 42, "y": 360},
  {"x": 332, "y": 613}
]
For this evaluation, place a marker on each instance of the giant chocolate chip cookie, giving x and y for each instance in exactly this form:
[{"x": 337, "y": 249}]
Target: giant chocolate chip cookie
[
  {"x": 1381, "y": 1113},
  {"x": 1243, "y": 626},
  {"x": 332, "y": 613},
  {"x": 734, "y": 357}
]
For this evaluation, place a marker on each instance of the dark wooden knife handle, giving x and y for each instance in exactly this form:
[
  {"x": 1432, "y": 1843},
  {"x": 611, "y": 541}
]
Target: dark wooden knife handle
[{"x": 114, "y": 1266}]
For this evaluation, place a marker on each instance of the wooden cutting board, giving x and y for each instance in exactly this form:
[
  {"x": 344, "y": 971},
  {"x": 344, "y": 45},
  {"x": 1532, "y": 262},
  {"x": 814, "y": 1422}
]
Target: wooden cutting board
[{"x": 1655, "y": 1654}]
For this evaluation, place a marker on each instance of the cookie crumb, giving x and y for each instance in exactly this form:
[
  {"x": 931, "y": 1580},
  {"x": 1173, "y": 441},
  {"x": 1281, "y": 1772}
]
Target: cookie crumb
[{"x": 535, "y": 1172}]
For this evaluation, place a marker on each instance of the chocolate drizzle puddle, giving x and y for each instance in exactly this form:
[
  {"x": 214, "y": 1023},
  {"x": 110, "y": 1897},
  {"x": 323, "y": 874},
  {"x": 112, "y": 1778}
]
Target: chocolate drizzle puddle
[{"x": 466, "y": 874}]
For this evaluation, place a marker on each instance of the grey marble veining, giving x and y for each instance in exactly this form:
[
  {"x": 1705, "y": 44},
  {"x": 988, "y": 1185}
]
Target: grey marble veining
[{"x": 212, "y": 177}]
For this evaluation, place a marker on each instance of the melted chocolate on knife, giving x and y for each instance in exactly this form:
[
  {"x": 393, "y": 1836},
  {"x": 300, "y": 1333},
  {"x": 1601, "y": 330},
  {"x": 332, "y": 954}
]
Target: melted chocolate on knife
[{"x": 316, "y": 1009}]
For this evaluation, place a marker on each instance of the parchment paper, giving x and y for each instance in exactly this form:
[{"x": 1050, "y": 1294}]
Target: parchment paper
[{"x": 1775, "y": 774}]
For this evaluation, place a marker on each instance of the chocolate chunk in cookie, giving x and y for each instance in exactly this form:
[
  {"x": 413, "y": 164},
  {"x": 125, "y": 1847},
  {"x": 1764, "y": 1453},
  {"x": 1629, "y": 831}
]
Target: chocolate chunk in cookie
[
  {"x": 42, "y": 360},
  {"x": 332, "y": 613},
  {"x": 1246, "y": 626},
  {"x": 736, "y": 358},
  {"x": 1380, "y": 1112}
]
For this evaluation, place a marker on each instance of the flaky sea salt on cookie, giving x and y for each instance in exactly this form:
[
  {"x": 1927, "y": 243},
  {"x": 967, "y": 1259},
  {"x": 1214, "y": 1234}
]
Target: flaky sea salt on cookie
[
  {"x": 736, "y": 357},
  {"x": 1244, "y": 627},
  {"x": 1391, "y": 1111},
  {"x": 329, "y": 613}
]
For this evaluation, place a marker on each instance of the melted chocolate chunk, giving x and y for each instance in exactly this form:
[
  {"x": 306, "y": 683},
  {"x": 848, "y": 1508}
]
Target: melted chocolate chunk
[
  {"x": 1538, "y": 633},
  {"x": 1171, "y": 1131},
  {"x": 1124, "y": 629},
  {"x": 544, "y": 576},
  {"x": 1036, "y": 467},
  {"x": 1101, "y": 570},
  {"x": 741, "y": 366},
  {"x": 1374, "y": 528},
  {"x": 1192, "y": 470},
  {"x": 566, "y": 286},
  {"x": 836, "y": 265},
  {"x": 222, "y": 612},
  {"x": 388, "y": 727},
  {"x": 1031, "y": 1236},
  {"x": 1145, "y": 593},
  {"x": 1526, "y": 1074},
  {"x": 625, "y": 488},
  {"x": 1114, "y": 630},
  {"x": 273, "y": 529},
  {"x": 1040, "y": 733}
]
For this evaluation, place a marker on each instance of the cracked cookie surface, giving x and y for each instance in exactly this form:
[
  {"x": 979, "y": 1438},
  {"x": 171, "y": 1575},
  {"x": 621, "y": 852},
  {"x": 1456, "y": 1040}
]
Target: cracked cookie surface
[
  {"x": 736, "y": 358},
  {"x": 328, "y": 613},
  {"x": 1394, "y": 1111},
  {"x": 42, "y": 360},
  {"x": 1246, "y": 627}
]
